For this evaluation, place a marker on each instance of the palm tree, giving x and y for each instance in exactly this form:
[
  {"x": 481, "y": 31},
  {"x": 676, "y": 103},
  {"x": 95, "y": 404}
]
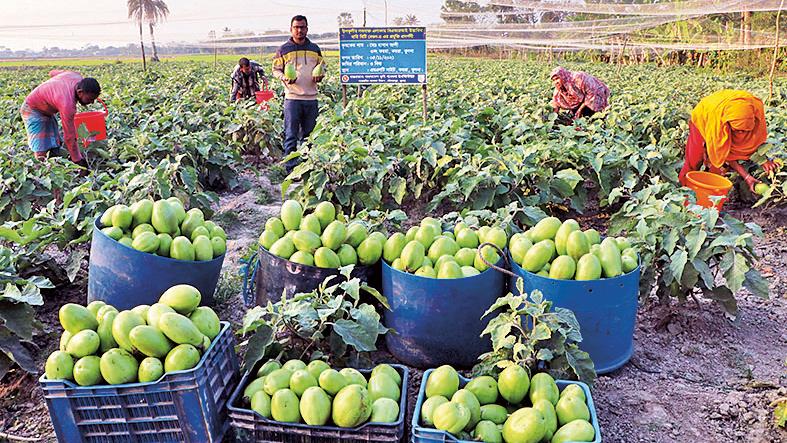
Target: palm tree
[
  {"x": 151, "y": 11},
  {"x": 411, "y": 20},
  {"x": 136, "y": 11},
  {"x": 156, "y": 11}
]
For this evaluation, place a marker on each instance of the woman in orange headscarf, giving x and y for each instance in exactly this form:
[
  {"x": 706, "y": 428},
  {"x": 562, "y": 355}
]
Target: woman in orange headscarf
[{"x": 725, "y": 127}]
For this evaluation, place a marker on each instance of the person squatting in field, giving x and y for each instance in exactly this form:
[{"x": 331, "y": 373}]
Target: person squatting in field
[
  {"x": 58, "y": 95},
  {"x": 300, "y": 99},
  {"x": 246, "y": 79},
  {"x": 725, "y": 127},
  {"x": 578, "y": 92}
]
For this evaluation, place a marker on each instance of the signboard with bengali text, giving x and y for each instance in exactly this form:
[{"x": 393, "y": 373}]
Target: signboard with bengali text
[{"x": 387, "y": 55}]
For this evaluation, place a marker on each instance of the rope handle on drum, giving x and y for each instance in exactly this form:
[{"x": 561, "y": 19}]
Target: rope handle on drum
[
  {"x": 248, "y": 283},
  {"x": 500, "y": 253}
]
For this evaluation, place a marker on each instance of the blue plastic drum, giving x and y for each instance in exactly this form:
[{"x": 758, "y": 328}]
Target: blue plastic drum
[
  {"x": 438, "y": 321},
  {"x": 124, "y": 277},
  {"x": 273, "y": 276},
  {"x": 606, "y": 310}
]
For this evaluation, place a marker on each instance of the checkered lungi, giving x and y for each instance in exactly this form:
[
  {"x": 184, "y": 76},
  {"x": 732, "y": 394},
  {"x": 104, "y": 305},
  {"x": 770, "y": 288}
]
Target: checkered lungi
[{"x": 43, "y": 132}]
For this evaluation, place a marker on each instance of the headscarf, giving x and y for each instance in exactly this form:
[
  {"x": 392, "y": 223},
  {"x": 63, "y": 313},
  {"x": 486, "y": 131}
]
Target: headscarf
[
  {"x": 718, "y": 117},
  {"x": 561, "y": 73},
  {"x": 579, "y": 88}
]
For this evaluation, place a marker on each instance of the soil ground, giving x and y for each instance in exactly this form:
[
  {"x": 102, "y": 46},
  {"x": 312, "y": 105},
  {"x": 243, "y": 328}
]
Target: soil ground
[{"x": 695, "y": 375}]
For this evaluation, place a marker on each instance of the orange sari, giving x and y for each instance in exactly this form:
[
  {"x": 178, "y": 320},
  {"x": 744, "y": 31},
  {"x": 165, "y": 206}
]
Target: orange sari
[{"x": 732, "y": 124}]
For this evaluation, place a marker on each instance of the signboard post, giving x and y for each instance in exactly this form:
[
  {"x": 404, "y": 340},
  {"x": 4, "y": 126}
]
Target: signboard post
[{"x": 386, "y": 55}]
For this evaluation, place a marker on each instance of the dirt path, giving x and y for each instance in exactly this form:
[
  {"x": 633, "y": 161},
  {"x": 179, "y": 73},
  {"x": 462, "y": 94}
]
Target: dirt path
[{"x": 695, "y": 376}]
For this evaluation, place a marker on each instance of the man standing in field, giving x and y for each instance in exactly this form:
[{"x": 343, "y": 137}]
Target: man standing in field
[
  {"x": 300, "y": 100},
  {"x": 246, "y": 79},
  {"x": 59, "y": 94}
]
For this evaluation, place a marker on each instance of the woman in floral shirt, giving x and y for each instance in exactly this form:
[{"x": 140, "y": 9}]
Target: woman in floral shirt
[{"x": 578, "y": 92}]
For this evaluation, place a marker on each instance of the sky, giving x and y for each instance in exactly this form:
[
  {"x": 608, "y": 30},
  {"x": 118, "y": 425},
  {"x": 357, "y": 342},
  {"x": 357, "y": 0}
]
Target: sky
[{"x": 34, "y": 24}]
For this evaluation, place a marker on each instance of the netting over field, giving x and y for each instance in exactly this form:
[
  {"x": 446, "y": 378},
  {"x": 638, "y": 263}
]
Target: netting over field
[
  {"x": 578, "y": 25},
  {"x": 520, "y": 24},
  {"x": 573, "y": 24}
]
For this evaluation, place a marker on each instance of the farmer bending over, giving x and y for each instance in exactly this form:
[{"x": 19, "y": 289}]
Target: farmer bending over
[
  {"x": 300, "y": 99},
  {"x": 578, "y": 92},
  {"x": 59, "y": 94},
  {"x": 725, "y": 127},
  {"x": 246, "y": 79}
]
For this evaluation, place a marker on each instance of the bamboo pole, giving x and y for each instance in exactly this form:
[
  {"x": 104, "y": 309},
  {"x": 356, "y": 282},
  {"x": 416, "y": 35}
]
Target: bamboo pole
[
  {"x": 622, "y": 53},
  {"x": 775, "y": 53}
]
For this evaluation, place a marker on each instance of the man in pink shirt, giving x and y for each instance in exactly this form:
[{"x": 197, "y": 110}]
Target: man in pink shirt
[{"x": 59, "y": 94}]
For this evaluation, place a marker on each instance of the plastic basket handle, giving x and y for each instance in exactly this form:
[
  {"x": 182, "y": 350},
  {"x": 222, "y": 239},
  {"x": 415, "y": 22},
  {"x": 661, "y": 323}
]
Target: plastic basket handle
[
  {"x": 493, "y": 266},
  {"x": 106, "y": 110},
  {"x": 248, "y": 281}
]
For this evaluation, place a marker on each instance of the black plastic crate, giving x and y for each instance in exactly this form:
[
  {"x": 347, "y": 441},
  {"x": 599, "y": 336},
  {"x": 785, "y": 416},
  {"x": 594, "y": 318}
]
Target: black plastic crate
[{"x": 252, "y": 427}]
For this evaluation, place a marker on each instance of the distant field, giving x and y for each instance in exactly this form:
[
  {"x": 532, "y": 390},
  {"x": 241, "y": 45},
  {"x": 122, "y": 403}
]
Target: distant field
[{"x": 110, "y": 60}]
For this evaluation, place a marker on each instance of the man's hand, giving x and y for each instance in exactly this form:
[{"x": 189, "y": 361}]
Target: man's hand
[
  {"x": 769, "y": 166},
  {"x": 318, "y": 79},
  {"x": 82, "y": 163},
  {"x": 752, "y": 182}
]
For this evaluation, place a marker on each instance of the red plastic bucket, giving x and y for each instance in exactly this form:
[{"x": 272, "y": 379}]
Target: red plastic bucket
[
  {"x": 95, "y": 121},
  {"x": 707, "y": 184},
  {"x": 263, "y": 96}
]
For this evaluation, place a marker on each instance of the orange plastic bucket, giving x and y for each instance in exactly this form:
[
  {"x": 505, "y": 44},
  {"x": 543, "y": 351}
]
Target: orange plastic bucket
[
  {"x": 95, "y": 121},
  {"x": 707, "y": 184}
]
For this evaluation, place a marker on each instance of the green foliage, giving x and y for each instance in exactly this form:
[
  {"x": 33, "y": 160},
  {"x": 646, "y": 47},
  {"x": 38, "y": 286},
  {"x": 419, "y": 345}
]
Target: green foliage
[
  {"x": 18, "y": 296},
  {"x": 330, "y": 320},
  {"x": 505, "y": 217},
  {"x": 229, "y": 286},
  {"x": 381, "y": 220},
  {"x": 487, "y": 143},
  {"x": 780, "y": 412},
  {"x": 526, "y": 331},
  {"x": 687, "y": 249},
  {"x": 776, "y": 179}
]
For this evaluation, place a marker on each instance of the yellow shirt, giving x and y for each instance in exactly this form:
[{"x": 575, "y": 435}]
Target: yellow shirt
[{"x": 732, "y": 124}]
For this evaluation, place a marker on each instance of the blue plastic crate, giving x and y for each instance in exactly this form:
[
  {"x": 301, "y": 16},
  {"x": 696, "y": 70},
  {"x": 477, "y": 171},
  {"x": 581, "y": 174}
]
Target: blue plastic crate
[
  {"x": 422, "y": 434},
  {"x": 251, "y": 426},
  {"x": 182, "y": 406}
]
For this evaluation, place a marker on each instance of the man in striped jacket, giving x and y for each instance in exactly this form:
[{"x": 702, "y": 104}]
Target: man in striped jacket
[
  {"x": 300, "y": 100},
  {"x": 246, "y": 79}
]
